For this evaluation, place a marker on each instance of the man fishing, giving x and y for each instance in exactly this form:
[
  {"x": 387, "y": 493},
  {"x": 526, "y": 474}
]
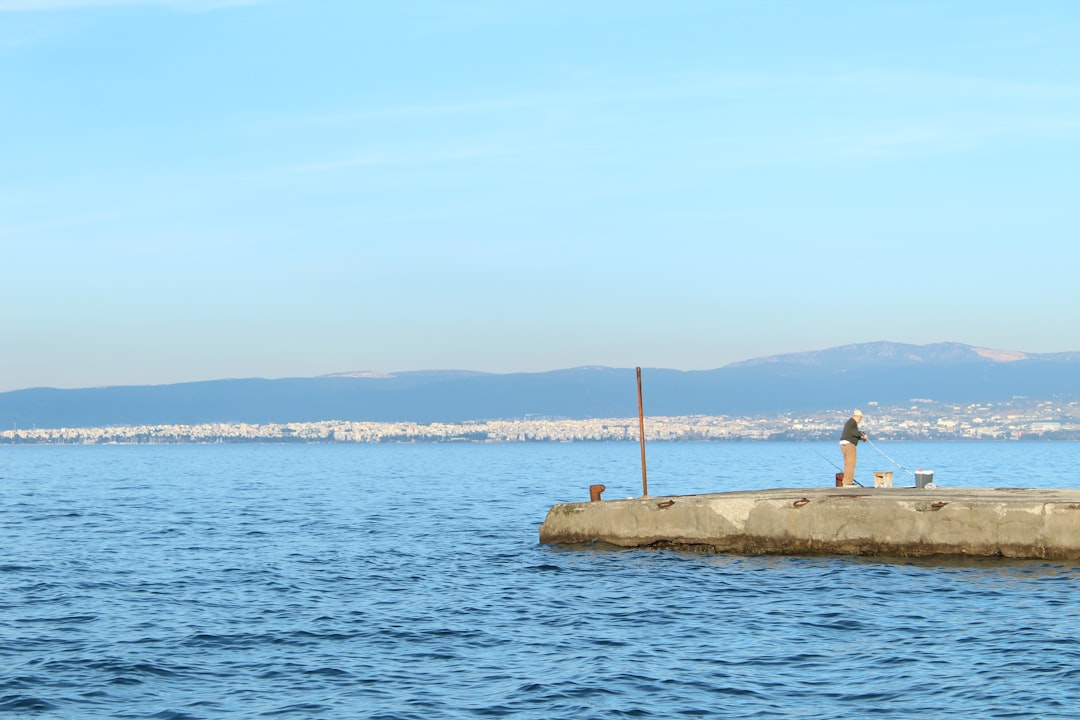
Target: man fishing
[{"x": 849, "y": 438}]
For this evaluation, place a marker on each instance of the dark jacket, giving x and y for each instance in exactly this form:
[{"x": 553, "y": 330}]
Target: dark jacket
[{"x": 851, "y": 433}]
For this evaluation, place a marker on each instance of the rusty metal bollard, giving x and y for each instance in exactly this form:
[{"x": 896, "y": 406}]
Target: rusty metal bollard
[{"x": 594, "y": 492}]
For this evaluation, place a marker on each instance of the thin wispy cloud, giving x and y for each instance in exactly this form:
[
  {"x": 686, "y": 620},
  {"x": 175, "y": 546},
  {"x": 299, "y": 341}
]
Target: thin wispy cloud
[
  {"x": 49, "y": 226},
  {"x": 604, "y": 92},
  {"x": 927, "y": 120},
  {"x": 599, "y": 92},
  {"x": 30, "y": 6},
  {"x": 384, "y": 157}
]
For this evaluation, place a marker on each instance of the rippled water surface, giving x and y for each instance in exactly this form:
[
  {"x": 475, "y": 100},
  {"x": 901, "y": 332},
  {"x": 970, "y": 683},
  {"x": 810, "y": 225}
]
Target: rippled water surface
[{"x": 406, "y": 581}]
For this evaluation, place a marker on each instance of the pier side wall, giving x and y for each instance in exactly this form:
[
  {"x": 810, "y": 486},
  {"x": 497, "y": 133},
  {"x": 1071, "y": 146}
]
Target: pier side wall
[{"x": 913, "y": 522}]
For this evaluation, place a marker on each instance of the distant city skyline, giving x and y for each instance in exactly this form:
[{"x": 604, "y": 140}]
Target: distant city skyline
[
  {"x": 1001, "y": 421},
  {"x": 207, "y": 189}
]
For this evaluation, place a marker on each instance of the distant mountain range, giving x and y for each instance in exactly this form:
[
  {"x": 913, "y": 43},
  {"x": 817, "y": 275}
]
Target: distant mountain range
[{"x": 837, "y": 378}]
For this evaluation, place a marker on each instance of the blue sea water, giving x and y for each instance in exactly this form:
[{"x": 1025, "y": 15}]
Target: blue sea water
[{"x": 406, "y": 581}]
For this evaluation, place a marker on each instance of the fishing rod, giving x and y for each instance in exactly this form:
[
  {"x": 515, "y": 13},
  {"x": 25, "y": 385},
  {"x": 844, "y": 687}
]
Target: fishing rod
[
  {"x": 909, "y": 472},
  {"x": 838, "y": 468}
]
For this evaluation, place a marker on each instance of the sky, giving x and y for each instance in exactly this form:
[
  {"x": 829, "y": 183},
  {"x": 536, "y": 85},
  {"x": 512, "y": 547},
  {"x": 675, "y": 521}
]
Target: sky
[{"x": 205, "y": 189}]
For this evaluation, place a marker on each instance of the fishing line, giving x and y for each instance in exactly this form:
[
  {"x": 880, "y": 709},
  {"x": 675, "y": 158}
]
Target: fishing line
[
  {"x": 909, "y": 472},
  {"x": 838, "y": 468},
  {"x": 829, "y": 461}
]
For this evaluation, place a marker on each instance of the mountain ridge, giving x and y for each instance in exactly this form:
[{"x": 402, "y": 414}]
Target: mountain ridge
[
  {"x": 845, "y": 376},
  {"x": 893, "y": 353}
]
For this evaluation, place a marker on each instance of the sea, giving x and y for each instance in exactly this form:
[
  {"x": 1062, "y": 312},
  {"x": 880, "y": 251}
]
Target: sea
[{"x": 406, "y": 581}]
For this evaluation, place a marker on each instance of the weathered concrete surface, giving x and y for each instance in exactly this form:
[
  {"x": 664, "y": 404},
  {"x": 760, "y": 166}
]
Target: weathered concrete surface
[{"x": 1008, "y": 522}]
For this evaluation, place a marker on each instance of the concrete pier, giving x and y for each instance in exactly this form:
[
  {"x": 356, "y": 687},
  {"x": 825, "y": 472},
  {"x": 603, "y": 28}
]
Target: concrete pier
[{"x": 907, "y": 522}]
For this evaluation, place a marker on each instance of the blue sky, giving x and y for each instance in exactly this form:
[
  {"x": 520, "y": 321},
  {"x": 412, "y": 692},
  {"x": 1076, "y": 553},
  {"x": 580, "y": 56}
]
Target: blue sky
[{"x": 205, "y": 189}]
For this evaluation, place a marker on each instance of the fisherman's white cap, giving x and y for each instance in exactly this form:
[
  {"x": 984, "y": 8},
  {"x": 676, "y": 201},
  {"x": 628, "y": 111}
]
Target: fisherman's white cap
[{"x": 857, "y": 413}]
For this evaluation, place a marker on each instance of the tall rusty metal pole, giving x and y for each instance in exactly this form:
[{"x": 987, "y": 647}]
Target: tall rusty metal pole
[{"x": 641, "y": 426}]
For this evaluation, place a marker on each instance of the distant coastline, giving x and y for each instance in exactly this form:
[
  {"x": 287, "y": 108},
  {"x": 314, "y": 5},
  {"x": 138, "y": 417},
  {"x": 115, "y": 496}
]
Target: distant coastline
[
  {"x": 941, "y": 391},
  {"x": 1017, "y": 420}
]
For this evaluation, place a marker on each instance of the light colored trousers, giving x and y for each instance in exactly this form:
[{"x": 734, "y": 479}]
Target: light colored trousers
[{"x": 848, "y": 449}]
